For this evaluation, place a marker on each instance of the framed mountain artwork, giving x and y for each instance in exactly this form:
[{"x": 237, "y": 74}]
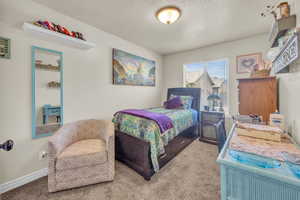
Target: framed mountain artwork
[
  {"x": 246, "y": 63},
  {"x": 129, "y": 69}
]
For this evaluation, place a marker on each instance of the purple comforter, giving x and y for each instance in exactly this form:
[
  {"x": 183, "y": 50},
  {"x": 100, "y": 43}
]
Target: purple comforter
[{"x": 163, "y": 121}]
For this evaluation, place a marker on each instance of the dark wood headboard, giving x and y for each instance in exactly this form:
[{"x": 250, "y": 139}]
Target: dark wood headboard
[{"x": 194, "y": 92}]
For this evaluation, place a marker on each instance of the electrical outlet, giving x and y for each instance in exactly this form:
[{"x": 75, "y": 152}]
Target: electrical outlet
[{"x": 43, "y": 155}]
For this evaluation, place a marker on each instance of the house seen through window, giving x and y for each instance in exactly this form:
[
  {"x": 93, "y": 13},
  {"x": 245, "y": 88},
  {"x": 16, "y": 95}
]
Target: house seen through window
[{"x": 212, "y": 78}]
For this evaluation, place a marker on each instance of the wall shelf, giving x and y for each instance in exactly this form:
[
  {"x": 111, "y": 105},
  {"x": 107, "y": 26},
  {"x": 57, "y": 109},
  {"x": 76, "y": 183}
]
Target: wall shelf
[
  {"x": 47, "y": 67},
  {"x": 54, "y": 84},
  {"x": 57, "y": 37},
  {"x": 280, "y": 27},
  {"x": 288, "y": 54}
]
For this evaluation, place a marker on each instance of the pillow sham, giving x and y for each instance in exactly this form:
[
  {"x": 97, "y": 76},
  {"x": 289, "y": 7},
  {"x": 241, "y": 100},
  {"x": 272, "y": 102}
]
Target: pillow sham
[
  {"x": 185, "y": 100},
  {"x": 173, "y": 103}
]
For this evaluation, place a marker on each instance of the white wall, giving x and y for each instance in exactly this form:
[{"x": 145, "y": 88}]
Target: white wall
[
  {"x": 173, "y": 64},
  {"x": 88, "y": 89}
]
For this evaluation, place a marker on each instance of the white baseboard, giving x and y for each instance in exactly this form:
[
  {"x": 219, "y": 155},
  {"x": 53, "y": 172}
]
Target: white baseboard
[{"x": 23, "y": 180}]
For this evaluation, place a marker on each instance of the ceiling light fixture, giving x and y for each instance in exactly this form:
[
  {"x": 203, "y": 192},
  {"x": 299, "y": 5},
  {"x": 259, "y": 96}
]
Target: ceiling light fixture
[{"x": 168, "y": 15}]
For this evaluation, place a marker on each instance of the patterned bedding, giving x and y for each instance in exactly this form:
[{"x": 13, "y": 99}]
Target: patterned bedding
[{"x": 148, "y": 130}]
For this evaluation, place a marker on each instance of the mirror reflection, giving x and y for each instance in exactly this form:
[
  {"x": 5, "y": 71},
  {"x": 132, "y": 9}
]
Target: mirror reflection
[{"x": 47, "y": 86}]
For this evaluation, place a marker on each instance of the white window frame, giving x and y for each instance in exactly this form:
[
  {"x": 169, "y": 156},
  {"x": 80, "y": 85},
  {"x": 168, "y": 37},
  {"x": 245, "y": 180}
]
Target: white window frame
[{"x": 227, "y": 75}]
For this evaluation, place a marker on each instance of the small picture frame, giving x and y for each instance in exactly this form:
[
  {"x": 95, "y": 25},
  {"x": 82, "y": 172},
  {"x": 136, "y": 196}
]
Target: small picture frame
[
  {"x": 4, "y": 48},
  {"x": 246, "y": 63}
]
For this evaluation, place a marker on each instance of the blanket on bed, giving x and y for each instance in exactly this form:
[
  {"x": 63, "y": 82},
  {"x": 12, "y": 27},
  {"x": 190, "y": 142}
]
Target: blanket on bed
[
  {"x": 149, "y": 130},
  {"x": 163, "y": 121}
]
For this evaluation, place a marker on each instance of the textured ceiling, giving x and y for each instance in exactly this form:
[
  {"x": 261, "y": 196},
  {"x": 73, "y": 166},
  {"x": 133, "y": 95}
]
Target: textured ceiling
[{"x": 203, "y": 22}]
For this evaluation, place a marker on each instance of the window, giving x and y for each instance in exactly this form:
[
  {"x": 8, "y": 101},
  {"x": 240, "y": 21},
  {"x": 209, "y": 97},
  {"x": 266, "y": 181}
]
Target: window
[{"x": 212, "y": 78}]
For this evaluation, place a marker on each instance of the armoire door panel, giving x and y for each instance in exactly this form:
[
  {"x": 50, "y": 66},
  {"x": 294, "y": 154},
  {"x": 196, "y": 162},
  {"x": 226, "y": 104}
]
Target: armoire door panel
[{"x": 258, "y": 96}]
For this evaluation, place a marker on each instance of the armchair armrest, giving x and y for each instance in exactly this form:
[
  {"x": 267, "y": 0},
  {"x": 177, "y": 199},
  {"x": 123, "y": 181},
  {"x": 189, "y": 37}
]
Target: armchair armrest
[
  {"x": 56, "y": 144},
  {"x": 107, "y": 132},
  {"x": 108, "y": 135}
]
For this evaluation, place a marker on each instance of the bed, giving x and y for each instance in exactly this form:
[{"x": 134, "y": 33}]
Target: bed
[{"x": 141, "y": 146}]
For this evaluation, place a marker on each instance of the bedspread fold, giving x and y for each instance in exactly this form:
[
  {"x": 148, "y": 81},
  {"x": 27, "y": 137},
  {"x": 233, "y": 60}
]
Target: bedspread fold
[{"x": 162, "y": 120}]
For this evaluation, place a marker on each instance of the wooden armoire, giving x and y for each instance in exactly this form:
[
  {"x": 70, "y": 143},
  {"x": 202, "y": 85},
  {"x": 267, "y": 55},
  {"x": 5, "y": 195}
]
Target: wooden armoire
[{"x": 258, "y": 96}]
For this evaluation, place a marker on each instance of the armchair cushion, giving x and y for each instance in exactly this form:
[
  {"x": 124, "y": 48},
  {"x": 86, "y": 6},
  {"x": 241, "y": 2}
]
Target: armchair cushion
[{"x": 82, "y": 153}]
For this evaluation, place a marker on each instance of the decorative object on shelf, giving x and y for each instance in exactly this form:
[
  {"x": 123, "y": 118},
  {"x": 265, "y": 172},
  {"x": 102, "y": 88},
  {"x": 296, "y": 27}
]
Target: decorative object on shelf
[
  {"x": 280, "y": 28},
  {"x": 246, "y": 63},
  {"x": 56, "y": 36},
  {"x": 282, "y": 40},
  {"x": 53, "y": 84},
  {"x": 4, "y": 48},
  {"x": 281, "y": 25},
  {"x": 58, "y": 28},
  {"x": 47, "y": 67},
  {"x": 261, "y": 71},
  {"x": 46, "y": 118},
  {"x": 129, "y": 69},
  {"x": 288, "y": 54},
  {"x": 168, "y": 14},
  {"x": 284, "y": 9}
]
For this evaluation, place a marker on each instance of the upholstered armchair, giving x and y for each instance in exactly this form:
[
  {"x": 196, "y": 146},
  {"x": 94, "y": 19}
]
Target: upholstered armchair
[{"x": 81, "y": 153}]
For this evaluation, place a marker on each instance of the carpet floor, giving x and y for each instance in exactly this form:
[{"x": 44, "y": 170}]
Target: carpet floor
[{"x": 192, "y": 175}]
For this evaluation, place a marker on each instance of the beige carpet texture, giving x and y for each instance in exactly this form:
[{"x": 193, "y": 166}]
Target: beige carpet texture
[{"x": 192, "y": 175}]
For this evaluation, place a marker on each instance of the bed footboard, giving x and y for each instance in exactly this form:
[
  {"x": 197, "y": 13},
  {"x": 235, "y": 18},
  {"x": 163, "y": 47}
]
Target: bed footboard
[{"x": 135, "y": 152}]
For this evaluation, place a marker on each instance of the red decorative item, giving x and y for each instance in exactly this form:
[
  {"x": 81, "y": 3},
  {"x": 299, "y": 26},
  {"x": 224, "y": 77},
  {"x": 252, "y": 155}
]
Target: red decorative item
[
  {"x": 66, "y": 31},
  {"x": 73, "y": 34},
  {"x": 77, "y": 35},
  {"x": 55, "y": 27},
  {"x": 58, "y": 28},
  {"x": 40, "y": 23},
  {"x": 49, "y": 25},
  {"x": 43, "y": 24}
]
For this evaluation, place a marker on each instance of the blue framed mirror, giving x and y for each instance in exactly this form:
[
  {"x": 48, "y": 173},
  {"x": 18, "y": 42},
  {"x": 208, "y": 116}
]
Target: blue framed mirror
[{"x": 47, "y": 91}]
